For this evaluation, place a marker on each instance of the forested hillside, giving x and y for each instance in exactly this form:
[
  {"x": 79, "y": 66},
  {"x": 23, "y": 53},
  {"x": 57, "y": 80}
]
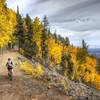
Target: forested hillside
[{"x": 35, "y": 41}]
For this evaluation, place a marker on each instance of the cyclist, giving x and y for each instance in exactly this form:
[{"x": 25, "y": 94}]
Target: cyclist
[{"x": 9, "y": 66}]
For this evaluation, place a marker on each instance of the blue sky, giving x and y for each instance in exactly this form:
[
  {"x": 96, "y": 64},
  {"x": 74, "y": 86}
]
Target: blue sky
[{"x": 77, "y": 19}]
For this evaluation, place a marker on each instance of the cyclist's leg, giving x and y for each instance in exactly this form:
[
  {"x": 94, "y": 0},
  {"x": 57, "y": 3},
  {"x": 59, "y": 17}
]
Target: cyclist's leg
[{"x": 10, "y": 74}]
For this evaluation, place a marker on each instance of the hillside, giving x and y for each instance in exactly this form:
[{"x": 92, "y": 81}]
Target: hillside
[
  {"x": 24, "y": 87},
  {"x": 47, "y": 65}
]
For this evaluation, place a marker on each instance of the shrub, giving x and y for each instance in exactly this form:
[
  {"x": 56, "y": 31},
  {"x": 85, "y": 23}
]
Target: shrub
[
  {"x": 38, "y": 71},
  {"x": 31, "y": 70}
]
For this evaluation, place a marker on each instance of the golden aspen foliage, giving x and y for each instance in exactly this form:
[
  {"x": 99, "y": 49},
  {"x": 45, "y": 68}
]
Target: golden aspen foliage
[
  {"x": 7, "y": 24},
  {"x": 35, "y": 71},
  {"x": 37, "y": 31},
  {"x": 83, "y": 66},
  {"x": 55, "y": 50}
]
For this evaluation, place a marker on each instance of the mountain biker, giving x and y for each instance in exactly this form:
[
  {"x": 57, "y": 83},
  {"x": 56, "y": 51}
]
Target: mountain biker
[{"x": 9, "y": 66}]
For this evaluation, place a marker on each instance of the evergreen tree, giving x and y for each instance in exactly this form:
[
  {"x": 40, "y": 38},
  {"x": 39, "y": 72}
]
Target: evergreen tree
[
  {"x": 85, "y": 49},
  {"x": 60, "y": 39},
  {"x": 19, "y": 30},
  {"x": 44, "y": 38},
  {"x": 29, "y": 45},
  {"x": 84, "y": 45},
  {"x": 55, "y": 36},
  {"x": 29, "y": 30},
  {"x": 81, "y": 56},
  {"x": 66, "y": 64},
  {"x": 5, "y": 5},
  {"x": 49, "y": 33},
  {"x": 67, "y": 42}
]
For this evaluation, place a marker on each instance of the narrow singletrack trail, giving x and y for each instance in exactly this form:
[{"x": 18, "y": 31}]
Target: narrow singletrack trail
[{"x": 23, "y": 87}]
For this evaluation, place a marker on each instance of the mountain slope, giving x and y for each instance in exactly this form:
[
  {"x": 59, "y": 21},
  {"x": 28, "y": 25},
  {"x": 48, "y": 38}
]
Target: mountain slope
[{"x": 24, "y": 87}]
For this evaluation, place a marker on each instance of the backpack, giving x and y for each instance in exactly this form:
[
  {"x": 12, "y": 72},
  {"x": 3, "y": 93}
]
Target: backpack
[{"x": 9, "y": 65}]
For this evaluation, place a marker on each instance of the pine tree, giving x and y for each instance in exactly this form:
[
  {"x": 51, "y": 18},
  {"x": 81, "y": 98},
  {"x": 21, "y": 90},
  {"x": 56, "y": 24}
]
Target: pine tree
[
  {"x": 85, "y": 48},
  {"x": 19, "y": 30},
  {"x": 28, "y": 22},
  {"x": 81, "y": 56},
  {"x": 55, "y": 36},
  {"x": 5, "y": 6},
  {"x": 66, "y": 65},
  {"x": 84, "y": 45},
  {"x": 29, "y": 45},
  {"x": 44, "y": 38},
  {"x": 67, "y": 42},
  {"x": 82, "y": 53},
  {"x": 49, "y": 33}
]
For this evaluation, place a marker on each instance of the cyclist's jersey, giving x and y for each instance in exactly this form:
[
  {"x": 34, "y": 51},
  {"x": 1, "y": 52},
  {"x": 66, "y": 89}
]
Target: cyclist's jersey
[{"x": 9, "y": 65}]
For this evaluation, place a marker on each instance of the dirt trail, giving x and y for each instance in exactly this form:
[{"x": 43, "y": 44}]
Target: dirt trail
[
  {"x": 23, "y": 87},
  {"x": 3, "y": 60}
]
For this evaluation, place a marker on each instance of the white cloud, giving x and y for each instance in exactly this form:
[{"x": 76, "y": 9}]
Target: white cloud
[{"x": 77, "y": 19}]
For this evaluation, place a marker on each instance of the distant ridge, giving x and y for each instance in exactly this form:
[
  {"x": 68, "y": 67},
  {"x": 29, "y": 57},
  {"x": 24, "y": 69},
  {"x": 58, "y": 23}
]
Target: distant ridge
[{"x": 95, "y": 52}]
